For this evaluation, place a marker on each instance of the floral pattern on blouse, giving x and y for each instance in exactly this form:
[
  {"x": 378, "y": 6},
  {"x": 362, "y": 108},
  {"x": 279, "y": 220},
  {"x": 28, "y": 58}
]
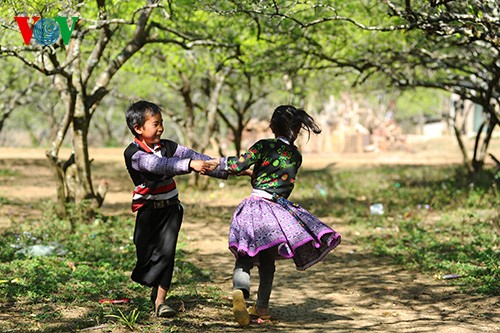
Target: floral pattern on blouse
[{"x": 275, "y": 165}]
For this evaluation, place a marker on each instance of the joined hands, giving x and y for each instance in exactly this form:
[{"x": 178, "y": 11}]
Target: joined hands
[{"x": 203, "y": 167}]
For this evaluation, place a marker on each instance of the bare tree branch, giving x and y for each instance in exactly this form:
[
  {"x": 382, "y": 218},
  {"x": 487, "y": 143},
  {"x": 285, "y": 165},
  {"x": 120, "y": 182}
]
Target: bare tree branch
[{"x": 135, "y": 44}]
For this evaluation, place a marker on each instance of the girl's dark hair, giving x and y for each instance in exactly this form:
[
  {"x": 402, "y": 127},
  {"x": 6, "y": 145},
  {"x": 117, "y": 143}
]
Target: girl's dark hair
[
  {"x": 136, "y": 114},
  {"x": 288, "y": 120}
]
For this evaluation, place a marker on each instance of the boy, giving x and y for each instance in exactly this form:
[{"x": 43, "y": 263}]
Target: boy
[{"x": 152, "y": 163}]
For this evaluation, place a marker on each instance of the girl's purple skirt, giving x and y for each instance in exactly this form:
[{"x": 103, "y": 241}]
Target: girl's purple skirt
[{"x": 259, "y": 224}]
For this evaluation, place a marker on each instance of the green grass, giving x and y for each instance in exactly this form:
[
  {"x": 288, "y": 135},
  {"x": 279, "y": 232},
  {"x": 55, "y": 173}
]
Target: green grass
[
  {"x": 436, "y": 220},
  {"x": 103, "y": 255},
  {"x": 9, "y": 173}
]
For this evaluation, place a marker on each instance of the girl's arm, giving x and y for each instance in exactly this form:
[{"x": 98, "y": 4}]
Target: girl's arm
[
  {"x": 238, "y": 164},
  {"x": 247, "y": 172}
]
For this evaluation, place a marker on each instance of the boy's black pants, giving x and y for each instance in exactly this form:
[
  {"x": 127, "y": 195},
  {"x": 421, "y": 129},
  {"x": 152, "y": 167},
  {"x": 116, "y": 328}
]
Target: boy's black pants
[{"x": 155, "y": 239}]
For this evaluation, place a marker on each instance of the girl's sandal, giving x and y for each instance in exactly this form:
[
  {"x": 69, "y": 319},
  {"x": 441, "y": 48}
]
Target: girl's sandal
[
  {"x": 240, "y": 309},
  {"x": 253, "y": 312}
]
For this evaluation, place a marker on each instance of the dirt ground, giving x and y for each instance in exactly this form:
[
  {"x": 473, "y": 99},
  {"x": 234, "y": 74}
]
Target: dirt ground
[{"x": 350, "y": 291}]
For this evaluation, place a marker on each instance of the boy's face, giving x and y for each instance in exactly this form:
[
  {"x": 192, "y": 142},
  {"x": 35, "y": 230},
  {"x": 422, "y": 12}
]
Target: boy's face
[{"x": 150, "y": 132}]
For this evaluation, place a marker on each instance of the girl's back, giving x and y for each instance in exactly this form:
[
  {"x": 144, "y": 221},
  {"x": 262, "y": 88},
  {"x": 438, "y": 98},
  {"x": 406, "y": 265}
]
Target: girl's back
[{"x": 276, "y": 167}]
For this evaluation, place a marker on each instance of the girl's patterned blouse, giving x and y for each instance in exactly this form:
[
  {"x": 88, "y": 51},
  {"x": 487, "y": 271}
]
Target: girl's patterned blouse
[{"x": 275, "y": 165}]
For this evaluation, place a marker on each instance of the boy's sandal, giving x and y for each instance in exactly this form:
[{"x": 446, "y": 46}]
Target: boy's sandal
[
  {"x": 253, "y": 312},
  {"x": 165, "y": 311}
]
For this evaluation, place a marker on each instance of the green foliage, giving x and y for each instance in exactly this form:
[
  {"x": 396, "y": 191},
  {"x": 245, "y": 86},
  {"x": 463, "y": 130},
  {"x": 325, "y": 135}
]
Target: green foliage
[
  {"x": 419, "y": 101},
  {"x": 315, "y": 44},
  {"x": 128, "y": 320}
]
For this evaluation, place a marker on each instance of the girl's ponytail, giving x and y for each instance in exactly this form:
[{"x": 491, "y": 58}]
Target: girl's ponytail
[
  {"x": 307, "y": 123},
  {"x": 288, "y": 120}
]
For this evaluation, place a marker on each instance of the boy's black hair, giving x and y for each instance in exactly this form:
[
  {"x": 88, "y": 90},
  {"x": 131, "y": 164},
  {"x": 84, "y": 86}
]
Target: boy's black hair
[
  {"x": 288, "y": 120},
  {"x": 136, "y": 114}
]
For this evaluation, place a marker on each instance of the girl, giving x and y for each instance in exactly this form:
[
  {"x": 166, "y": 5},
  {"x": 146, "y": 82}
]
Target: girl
[{"x": 267, "y": 226}]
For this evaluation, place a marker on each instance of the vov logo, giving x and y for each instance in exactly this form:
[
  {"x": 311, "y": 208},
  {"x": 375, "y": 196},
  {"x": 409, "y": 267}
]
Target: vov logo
[{"x": 46, "y": 31}]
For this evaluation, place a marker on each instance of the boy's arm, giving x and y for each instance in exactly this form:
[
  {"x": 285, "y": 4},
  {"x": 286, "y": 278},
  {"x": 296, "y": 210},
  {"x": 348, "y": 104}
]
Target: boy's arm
[{"x": 171, "y": 166}]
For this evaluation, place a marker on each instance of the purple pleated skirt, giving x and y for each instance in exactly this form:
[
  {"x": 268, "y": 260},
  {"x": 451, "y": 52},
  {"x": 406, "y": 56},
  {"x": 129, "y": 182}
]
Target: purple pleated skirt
[{"x": 259, "y": 224}]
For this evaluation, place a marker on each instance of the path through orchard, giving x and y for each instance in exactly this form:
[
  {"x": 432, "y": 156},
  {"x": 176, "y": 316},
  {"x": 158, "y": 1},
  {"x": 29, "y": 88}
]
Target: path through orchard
[{"x": 349, "y": 291}]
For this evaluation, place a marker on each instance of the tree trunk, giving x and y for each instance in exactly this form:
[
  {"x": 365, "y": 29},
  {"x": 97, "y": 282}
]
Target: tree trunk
[
  {"x": 61, "y": 84},
  {"x": 73, "y": 177},
  {"x": 481, "y": 148},
  {"x": 463, "y": 150},
  {"x": 83, "y": 181},
  {"x": 61, "y": 188},
  {"x": 213, "y": 105},
  {"x": 238, "y": 136},
  {"x": 185, "y": 91}
]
